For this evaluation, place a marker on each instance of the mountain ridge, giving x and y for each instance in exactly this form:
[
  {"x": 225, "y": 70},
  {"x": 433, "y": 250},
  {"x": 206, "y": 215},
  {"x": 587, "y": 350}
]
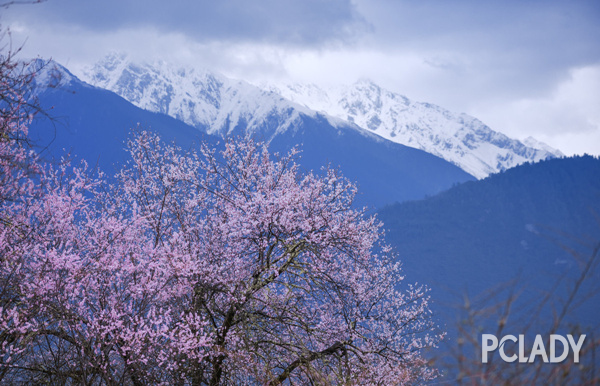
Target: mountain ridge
[
  {"x": 94, "y": 123},
  {"x": 458, "y": 138},
  {"x": 214, "y": 103}
]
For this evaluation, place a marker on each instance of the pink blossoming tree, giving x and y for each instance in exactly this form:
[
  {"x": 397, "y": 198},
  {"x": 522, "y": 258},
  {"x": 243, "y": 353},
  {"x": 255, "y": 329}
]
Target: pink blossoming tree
[{"x": 198, "y": 268}]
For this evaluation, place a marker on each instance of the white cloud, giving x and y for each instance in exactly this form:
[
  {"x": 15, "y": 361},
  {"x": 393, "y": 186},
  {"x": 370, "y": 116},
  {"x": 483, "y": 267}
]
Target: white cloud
[{"x": 568, "y": 118}]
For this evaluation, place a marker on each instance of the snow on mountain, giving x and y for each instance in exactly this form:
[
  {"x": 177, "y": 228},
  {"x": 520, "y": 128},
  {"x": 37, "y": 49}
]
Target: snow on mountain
[
  {"x": 47, "y": 73},
  {"x": 220, "y": 105},
  {"x": 534, "y": 143},
  {"x": 200, "y": 98},
  {"x": 458, "y": 138}
]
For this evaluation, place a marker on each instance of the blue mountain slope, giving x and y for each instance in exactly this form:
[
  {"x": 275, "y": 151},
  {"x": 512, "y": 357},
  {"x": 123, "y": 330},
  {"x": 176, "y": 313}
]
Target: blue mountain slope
[
  {"x": 522, "y": 224},
  {"x": 93, "y": 124},
  {"x": 385, "y": 171}
]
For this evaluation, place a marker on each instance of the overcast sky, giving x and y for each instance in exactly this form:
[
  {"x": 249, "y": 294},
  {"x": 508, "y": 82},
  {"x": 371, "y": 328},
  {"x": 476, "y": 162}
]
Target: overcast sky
[{"x": 525, "y": 68}]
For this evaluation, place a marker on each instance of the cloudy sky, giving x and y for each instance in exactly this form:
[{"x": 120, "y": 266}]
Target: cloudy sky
[{"x": 524, "y": 67}]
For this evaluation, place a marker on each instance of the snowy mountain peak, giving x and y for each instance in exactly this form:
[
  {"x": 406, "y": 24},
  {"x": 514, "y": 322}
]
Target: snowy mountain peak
[
  {"x": 217, "y": 104},
  {"x": 201, "y": 98},
  {"x": 47, "y": 73},
  {"x": 458, "y": 138}
]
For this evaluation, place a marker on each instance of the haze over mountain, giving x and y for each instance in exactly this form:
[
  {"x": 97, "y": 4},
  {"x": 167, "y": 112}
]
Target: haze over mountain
[{"x": 211, "y": 101}]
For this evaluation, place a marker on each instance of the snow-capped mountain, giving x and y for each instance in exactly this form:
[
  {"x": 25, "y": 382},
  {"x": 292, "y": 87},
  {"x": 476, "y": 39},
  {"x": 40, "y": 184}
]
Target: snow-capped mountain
[
  {"x": 94, "y": 124},
  {"x": 200, "y": 98},
  {"x": 220, "y": 105},
  {"x": 458, "y": 138}
]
